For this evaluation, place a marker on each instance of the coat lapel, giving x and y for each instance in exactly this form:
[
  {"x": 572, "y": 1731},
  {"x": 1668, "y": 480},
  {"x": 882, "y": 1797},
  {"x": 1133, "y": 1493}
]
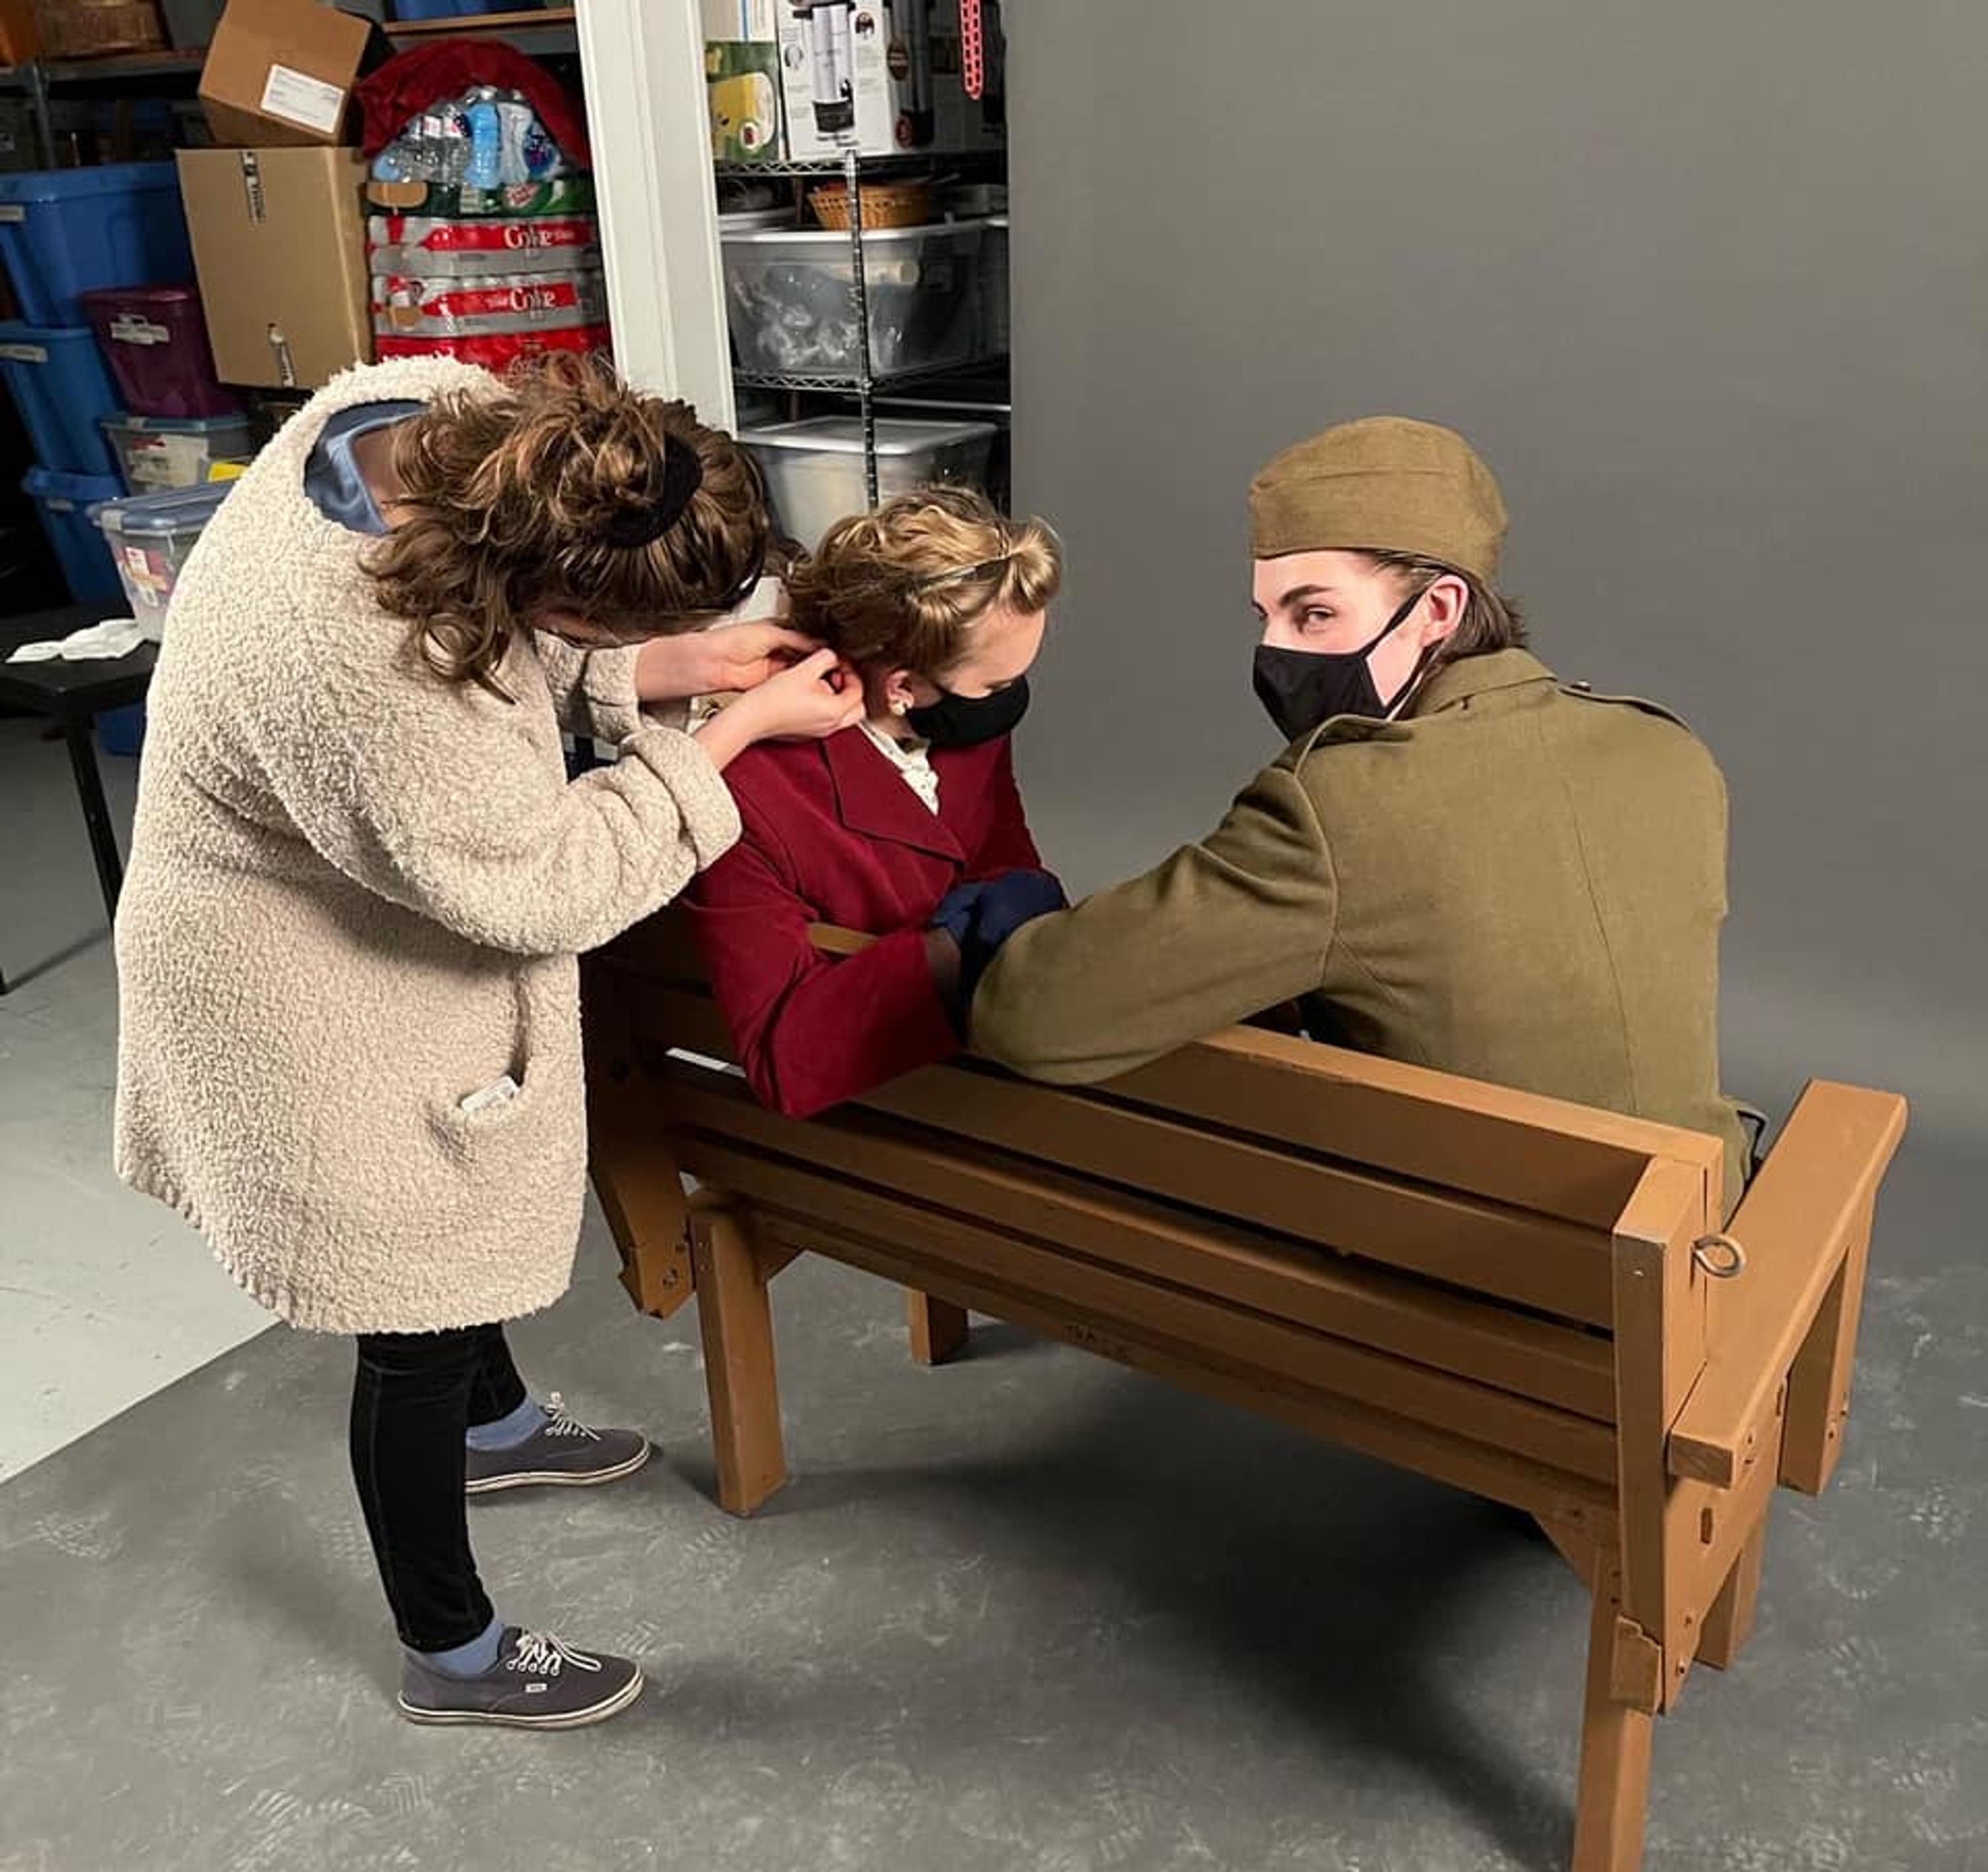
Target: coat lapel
[{"x": 872, "y": 798}]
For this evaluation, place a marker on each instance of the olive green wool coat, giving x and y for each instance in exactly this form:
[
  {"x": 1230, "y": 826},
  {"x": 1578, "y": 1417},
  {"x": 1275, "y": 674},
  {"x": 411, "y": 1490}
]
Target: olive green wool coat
[{"x": 1518, "y": 883}]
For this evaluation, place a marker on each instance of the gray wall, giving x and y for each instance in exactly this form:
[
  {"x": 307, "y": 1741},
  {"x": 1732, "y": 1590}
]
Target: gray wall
[{"x": 1705, "y": 283}]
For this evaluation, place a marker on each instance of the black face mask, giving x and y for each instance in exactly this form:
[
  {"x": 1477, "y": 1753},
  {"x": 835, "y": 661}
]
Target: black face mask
[
  {"x": 966, "y": 721},
  {"x": 1300, "y": 688}
]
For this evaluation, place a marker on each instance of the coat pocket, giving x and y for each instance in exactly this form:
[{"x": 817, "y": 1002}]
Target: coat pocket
[
  {"x": 475, "y": 1121},
  {"x": 487, "y": 1135}
]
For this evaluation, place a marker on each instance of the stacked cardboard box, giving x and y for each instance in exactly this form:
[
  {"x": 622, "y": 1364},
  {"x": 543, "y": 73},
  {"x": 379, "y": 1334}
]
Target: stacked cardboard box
[{"x": 275, "y": 210}]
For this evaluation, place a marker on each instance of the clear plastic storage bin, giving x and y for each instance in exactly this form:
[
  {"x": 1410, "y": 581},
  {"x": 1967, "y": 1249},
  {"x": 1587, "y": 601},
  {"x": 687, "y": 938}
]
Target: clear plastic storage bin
[
  {"x": 789, "y": 292},
  {"x": 814, "y": 469},
  {"x": 159, "y": 452},
  {"x": 151, "y": 536}
]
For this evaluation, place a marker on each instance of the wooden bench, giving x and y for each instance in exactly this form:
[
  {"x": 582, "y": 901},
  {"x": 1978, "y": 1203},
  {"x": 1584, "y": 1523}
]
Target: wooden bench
[{"x": 1523, "y": 1298}]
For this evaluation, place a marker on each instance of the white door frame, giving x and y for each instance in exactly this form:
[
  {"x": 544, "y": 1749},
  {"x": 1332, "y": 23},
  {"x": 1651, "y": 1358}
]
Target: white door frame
[{"x": 649, "y": 121}]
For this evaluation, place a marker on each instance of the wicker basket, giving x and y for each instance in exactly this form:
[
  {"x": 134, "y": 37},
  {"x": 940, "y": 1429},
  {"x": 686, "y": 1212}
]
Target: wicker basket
[
  {"x": 96, "y": 28},
  {"x": 885, "y": 204}
]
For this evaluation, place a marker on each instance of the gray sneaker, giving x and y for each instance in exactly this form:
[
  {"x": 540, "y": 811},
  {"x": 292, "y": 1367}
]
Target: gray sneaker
[
  {"x": 537, "y": 1683},
  {"x": 564, "y": 1453}
]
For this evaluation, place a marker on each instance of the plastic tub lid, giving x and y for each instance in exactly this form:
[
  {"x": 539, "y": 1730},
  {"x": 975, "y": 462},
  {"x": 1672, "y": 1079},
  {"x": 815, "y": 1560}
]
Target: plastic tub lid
[
  {"x": 123, "y": 425},
  {"x": 843, "y": 435},
  {"x": 172, "y": 511},
  {"x": 876, "y": 237},
  {"x": 18, "y": 331},
  {"x": 109, "y": 296},
  {"x": 48, "y": 484},
  {"x": 66, "y": 185}
]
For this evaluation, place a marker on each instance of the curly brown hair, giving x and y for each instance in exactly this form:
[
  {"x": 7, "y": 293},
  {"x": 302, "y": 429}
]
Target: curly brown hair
[
  {"x": 545, "y": 494},
  {"x": 900, "y": 588}
]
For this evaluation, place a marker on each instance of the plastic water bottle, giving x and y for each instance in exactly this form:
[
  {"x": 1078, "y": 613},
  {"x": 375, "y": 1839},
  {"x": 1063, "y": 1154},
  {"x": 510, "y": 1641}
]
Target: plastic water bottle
[{"x": 486, "y": 146}]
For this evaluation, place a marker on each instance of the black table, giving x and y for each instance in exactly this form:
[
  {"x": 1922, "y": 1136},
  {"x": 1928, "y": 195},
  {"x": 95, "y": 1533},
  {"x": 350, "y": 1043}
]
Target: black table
[{"x": 74, "y": 694}]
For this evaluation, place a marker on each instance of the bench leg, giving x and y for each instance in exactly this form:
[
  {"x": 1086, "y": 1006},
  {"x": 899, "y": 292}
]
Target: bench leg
[
  {"x": 736, "y": 1319},
  {"x": 1730, "y": 1622},
  {"x": 1819, "y": 1385},
  {"x": 938, "y": 1328},
  {"x": 1614, "y": 1785}
]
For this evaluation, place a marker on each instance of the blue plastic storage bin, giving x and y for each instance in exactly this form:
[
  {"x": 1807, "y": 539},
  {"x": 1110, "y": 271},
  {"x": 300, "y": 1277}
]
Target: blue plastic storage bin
[
  {"x": 64, "y": 502},
  {"x": 122, "y": 731},
  {"x": 64, "y": 232},
  {"x": 63, "y": 389}
]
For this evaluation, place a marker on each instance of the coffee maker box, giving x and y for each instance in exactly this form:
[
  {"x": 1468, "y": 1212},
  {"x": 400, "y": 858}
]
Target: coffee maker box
[{"x": 858, "y": 73}]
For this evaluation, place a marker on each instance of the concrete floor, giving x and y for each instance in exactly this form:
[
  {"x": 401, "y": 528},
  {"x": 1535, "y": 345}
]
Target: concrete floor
[
  {"x": 104, "y": 1296},
  {"x": 1028, "y": 1613}
]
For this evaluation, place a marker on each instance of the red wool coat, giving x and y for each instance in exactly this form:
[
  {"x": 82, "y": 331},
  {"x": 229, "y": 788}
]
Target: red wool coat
[{"x": 832, "y": 834}]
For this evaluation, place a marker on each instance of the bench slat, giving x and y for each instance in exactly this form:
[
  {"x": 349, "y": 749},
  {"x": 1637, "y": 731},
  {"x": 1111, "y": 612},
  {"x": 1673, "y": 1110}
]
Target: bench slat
[
  {"x": 1538, "y": 1261},
  {"x": 1555, "y": 1438},
  {"x": 1513, "y": 1147},
  {"x": 1451, "y": 1331},
  {"x": 1459, "y": 1461}
]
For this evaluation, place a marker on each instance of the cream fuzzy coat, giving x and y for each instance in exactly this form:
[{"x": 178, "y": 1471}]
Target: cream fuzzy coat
[{"x": 355, "y": 898}]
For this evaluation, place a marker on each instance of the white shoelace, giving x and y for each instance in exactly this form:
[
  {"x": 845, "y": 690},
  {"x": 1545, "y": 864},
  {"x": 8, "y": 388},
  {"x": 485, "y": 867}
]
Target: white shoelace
[
  {"x": 538, "y": 1653},
  {"x": 562, "y": 1424}
]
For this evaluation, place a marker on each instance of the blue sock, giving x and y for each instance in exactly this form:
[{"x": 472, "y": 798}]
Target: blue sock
[
  {"x": 528, "y": 1420},
  {"x": 470, "y": 1660}
]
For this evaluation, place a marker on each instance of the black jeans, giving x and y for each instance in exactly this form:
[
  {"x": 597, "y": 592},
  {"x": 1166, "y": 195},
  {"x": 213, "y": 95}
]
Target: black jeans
[{"x": 414, "y": 1399}]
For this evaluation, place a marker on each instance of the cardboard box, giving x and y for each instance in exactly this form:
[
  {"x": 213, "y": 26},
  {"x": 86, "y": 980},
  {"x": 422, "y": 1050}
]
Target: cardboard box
[
  {"x": 279, "y": 74},
  {"x": 279, "y": 243},
  {"x": 875, "y": 113},
  {"x": 743, "y": 82}
]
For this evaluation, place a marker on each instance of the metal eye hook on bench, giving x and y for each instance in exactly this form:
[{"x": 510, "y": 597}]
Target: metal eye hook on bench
[{"x": 1720, "y": 1256}]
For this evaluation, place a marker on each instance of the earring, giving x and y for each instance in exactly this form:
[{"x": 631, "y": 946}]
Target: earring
[{"x": 900, "y": 708}]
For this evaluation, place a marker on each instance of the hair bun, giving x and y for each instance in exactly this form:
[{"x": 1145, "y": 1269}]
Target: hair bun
[{"x": 642, "y": 523}]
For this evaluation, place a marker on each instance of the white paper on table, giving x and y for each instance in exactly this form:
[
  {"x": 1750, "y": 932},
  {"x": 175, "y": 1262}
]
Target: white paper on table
[{"x": 116, "y": 637}]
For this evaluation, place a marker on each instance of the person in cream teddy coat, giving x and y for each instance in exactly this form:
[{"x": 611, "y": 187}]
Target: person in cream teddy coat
[{"x": 349, "y": 1043}]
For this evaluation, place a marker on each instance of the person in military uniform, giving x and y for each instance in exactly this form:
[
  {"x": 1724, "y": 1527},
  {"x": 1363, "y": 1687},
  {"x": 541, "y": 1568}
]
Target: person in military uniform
[{"x": 1459, "y": 861}]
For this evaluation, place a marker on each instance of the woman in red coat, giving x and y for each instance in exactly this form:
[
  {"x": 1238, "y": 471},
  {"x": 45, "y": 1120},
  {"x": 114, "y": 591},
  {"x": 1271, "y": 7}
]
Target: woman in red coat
[{"x": 907, "y": 827}]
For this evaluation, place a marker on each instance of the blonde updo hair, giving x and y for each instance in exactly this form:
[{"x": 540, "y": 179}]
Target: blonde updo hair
[
  {"x": 902, "y": 588},
  {"x": 546, "y": 495}
]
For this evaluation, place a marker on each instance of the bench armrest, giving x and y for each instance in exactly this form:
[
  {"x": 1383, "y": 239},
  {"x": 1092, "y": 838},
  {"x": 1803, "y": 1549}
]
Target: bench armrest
[{"x": 1800, "y": 1220}]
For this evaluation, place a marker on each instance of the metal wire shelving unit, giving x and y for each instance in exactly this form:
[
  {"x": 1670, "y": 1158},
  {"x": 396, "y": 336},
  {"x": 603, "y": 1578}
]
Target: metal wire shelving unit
[{"x": 866, "y": 383}]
